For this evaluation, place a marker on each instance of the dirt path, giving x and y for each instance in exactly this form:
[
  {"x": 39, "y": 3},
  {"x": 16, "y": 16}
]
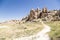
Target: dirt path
[{"x": 42, "y": 35}]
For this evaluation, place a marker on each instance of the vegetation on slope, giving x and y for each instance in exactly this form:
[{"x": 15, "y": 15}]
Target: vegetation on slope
[
  {"x": 19, "y": 30},
  {"x": 55, "y": 29}
]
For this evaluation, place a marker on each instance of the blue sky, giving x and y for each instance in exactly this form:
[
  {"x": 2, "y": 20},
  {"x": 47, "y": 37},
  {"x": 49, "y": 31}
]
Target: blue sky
[{"x": 16, "y": 9}]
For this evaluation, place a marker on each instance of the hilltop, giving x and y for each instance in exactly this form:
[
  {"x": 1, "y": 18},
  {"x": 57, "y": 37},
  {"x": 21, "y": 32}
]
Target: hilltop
[
  {"x": 30, "y": 24},
  {"x": 44, "y": 14}
]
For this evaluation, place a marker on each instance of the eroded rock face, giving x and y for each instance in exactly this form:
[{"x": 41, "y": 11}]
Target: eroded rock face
[
  {"x": 34, "y": 14},
  {"x": 50, "y": 15},
  {"x": 44, "y": 10}
]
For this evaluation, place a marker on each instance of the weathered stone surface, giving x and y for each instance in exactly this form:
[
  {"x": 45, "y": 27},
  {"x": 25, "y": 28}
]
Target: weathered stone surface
[
  {"x": 48, "y": 15},
  {"x": 44, "y": 10},
  {"x": 34, "y": 14}
]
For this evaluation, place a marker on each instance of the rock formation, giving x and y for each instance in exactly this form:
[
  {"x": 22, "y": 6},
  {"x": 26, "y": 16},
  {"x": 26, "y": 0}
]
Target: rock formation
[
  {"x": 34, "y": 14},
  {"x": 44, "y": 10},
  {"x": 44, "y": 13}
]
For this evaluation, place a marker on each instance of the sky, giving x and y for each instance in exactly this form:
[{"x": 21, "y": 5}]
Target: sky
[{"x": 17, "y": 9}]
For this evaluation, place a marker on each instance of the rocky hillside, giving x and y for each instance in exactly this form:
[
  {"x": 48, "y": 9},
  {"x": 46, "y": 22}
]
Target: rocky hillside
[
  {"x": 29, "y": 25},
  {"x": 44, "y": 14}
]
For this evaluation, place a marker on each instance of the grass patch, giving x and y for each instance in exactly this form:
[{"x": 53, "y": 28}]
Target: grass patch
[
  {"x": 55, "y": 29},
  {"x": 20, "y": 30}
]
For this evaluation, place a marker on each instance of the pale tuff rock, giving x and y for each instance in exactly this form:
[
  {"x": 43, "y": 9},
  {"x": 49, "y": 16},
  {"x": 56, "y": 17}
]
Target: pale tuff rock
[
  {"x": 44, "y": 13},
  {"x": 44, "y": 10}
]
